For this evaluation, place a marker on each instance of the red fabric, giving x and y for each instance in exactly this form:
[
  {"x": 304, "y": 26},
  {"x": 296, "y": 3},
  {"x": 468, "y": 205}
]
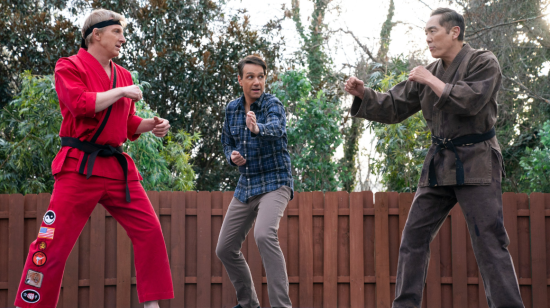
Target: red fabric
[
  {"x": 73, "y": 206},
  {"x": 78, "y": 79}
]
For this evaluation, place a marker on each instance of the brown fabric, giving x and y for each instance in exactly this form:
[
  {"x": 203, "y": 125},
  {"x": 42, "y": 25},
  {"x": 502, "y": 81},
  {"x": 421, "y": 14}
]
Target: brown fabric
[{"x": 467, "y": 106}]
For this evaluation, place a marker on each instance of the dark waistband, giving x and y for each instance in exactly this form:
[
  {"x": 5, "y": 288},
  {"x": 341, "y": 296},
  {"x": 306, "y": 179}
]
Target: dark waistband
[
  {"x": 451, "y": 144},
  {"x": 92, "y": 150}
]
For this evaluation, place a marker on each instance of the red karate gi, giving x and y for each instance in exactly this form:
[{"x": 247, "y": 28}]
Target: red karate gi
[{"x": 78, "y": 79}]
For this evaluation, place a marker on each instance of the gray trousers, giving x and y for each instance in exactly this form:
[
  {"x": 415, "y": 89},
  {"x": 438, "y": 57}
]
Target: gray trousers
[
  {"x": 267, "y": 210},
  {"x": 482, "y": 208}
]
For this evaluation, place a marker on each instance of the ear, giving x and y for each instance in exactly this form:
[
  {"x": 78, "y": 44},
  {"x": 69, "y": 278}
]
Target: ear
[
  {"x": 240, "y": 80},
  {"x": 95, "y": 33},
  {"x": 455, "y": 31}
]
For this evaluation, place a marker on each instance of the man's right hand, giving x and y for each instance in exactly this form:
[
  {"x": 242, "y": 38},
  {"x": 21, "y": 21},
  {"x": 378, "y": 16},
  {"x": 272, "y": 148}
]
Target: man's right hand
[
  {"x": 237, "y": 159},
  {"x": 132, "y": 92},
  {"x": 355, "y": 87}
]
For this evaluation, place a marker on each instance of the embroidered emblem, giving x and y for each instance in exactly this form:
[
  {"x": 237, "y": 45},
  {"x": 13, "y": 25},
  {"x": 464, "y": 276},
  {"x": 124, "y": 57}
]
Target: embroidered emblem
[
  {"x": 30, "y": 296},
  {"x": 49, "y": 217},
  {"x": 34, "y": 278},
  {"x": 46, "y": 233},
  {"x": 42, "y": 245},
  {"x": 39, "y": 258}
]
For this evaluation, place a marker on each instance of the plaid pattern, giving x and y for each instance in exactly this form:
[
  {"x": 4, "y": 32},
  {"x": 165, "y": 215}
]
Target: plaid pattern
[{"x": 267, "y": 160}]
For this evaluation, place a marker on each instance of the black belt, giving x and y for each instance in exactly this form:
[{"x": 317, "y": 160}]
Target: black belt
[
  {"x": 92, "y": 150},
  {"x": 451, "y": 144}
]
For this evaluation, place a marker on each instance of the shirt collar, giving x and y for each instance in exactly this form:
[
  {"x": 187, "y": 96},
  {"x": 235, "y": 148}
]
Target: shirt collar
[{"x": 258, "y": 102}]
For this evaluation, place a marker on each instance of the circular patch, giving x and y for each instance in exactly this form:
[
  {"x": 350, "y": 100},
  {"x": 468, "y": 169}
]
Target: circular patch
[
  {"x": 49, "y": 217},
  {"x": 42, "y": 245},
  {"x": 39, "y": 258},
  {"x": 30, "y": 296}
]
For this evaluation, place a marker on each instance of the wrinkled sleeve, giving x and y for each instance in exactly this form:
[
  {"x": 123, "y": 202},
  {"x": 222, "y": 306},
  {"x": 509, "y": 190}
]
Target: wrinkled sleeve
[
  {"x": 72, "y": 92},
  {"x": 394, "y": 106},
  {"x": 133, "y": 123},
  {"x": 275, "y": 123},
  {"x": 227, "y": 140},
  {"x": 467, "y": 97}
]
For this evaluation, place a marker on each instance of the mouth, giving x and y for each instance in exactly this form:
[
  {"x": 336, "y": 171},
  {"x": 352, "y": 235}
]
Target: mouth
[
  {"x": 255, "y": 90},
  {"x": 432, "y": 48},
  {"x": 118, "y": 47}
]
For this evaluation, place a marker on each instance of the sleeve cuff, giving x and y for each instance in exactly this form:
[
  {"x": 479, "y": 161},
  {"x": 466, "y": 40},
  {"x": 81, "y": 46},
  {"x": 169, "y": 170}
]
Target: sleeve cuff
[
  {"x": 356, "y": 106},
  {"x": 261, "y": 132},
  {"x": 89, "y": 104},
  {"x": 444, "y": 96},
  {"x": 133, "y": 124},
  {"x": 229, "y": 159}
]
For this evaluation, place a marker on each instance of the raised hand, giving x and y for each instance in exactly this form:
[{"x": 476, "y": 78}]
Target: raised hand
[
  {"x": 355, "y": 87},
  {"x": 251, "y": 122},
  {"x": 421, "y": 75},
  {"x": 161, "y": 127},
  {"x": 237, "y": 159},
  {"x": 132, "y": 92}
]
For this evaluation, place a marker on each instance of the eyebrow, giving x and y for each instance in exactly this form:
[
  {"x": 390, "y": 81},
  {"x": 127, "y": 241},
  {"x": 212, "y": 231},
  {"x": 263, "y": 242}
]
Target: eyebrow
[{"x": 430, "y": 28}]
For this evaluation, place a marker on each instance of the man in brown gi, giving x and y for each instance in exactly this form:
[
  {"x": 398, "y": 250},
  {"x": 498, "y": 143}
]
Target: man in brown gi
[{"x": 458, "y": 97}]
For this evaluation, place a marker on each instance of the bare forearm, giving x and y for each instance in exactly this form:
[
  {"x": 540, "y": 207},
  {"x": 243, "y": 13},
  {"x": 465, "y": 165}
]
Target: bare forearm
[
  {"x": 436, "y": 85},
  {"x": 105, "y": 99},
  {"x": 146, "y": 125}
]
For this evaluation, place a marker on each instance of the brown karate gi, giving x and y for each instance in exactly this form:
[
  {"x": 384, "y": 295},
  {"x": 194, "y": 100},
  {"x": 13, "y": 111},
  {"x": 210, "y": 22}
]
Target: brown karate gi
[{"x": 467, "y": 106}]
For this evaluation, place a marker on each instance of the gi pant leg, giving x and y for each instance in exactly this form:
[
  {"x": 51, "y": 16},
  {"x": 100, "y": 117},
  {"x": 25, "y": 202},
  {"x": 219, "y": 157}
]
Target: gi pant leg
[
  {"x": 482, "y": 208},
  {"x": 267, "y": 210},
  {"x": 73, "y": 199}
]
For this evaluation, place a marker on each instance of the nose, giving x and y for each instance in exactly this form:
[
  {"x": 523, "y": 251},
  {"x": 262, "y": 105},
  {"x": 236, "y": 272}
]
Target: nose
[{"x": 122, "y": 39}]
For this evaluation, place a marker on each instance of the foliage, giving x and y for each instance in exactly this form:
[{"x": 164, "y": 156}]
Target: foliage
[
  {"x": 187, "y": 50},
  {"x": 313, "y": 133},
  {"x": 521, "y": 43},
  {"x": 29, "y": 127},
  {"x": 536, "y": 164},
  {"x": 401, "y": 147}
]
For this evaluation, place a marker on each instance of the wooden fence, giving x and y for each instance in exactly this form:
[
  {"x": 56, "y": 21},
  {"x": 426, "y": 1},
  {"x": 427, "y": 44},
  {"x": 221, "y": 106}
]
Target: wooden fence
[{"x": 341, "y": 251}]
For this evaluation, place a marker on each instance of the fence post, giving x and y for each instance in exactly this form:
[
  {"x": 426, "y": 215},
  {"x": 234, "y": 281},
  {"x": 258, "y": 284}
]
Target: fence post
[
  {"x": 204, "y": 250},
  {"x": 538, "y": 250},
  {"x": 357, "y": 272},
  {"x": 382, "y": 250}
]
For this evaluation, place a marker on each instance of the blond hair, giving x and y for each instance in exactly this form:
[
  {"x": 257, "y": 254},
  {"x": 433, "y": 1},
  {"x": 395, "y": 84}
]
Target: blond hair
[{"x": 99, "y": 16}]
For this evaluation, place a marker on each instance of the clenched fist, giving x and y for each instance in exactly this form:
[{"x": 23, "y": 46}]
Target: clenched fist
[
  {"x": 132, "y": 92},
  {"x": 355, "y": 87},
  {"x": 421, "y": 75},
  {"x": 237, "y": 159}
]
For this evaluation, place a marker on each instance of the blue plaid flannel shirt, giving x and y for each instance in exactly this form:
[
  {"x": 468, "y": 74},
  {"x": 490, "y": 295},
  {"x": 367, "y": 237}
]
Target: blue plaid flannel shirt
[{"x": 267, "y": 164}]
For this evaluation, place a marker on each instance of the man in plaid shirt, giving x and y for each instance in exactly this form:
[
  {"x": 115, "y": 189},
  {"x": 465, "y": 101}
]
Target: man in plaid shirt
[{"x": 254, "y": 139}]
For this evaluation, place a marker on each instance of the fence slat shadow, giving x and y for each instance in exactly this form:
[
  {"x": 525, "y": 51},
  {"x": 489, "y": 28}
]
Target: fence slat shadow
[{"x": 341, "y": 251}]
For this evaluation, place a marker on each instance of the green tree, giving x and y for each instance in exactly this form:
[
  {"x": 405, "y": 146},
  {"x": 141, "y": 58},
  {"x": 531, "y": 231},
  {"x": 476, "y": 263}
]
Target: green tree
[
  {"x": 536, "y": 164},
  {"x": 29, "y": 141},
  {"x": 313, "y": 133}
]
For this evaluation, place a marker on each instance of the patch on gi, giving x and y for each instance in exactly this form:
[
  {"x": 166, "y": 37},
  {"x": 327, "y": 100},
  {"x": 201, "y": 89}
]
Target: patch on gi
[
  {"x": 30, "y": 296},
  {"x": 34, "y": 278},
  {"x": 39, "y": 258},
  {"x": 42, "y": 245},
  {"x": 49, "y": 217},
  {"x": 46, "y": 233}
]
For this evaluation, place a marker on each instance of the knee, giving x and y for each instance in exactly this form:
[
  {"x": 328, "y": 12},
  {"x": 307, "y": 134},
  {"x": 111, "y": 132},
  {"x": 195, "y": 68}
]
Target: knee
[{"x": 264, "y": 236}]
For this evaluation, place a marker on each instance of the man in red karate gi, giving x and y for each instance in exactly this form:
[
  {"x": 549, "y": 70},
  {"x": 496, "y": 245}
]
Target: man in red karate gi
[{"x": 96, "y": 98}]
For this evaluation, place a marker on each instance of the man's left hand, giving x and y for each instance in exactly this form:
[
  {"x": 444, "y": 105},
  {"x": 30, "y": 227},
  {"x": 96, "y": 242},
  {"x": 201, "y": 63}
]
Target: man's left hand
[
  {"x": 251, "y": 122},
  {"x": 161, "y": 127},
  {"x": 421, "y": 75}
]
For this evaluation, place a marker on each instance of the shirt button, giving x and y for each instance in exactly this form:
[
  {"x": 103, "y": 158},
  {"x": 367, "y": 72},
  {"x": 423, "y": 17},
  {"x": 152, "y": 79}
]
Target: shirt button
[
  {"x": 245, "y": 142},
  {"x": 245, "y": 128}
]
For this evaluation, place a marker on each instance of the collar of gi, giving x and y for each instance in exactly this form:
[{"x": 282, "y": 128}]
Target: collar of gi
[{"x": 101, "y": 24}]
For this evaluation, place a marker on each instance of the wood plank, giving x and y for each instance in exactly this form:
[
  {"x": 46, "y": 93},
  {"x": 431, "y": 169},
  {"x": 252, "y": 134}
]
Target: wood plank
[
  {"x": 16, "y": 253},
  {"x": 154, "y": 197},
  {"x": 357, "y": 271},
  {"x": 481, "y": 292},
  {"x": 97, "y": 261},
  {"x": 70, "y": 276},
  {"x": 538, "y": 250},
  {"x": 382, "y": 250},
  {"x": 510, "y": 211},
  {"x": 330, "y": 267},
  {"x": 405, "y": 203},
  {"x": 433, "y": 281},
  {"x": 306, "y": 249},
  {"x": 204, "y": 249},
  {"x": 177, "y": 249},
  {"x": 124, "y": 268},
  {"x": 229, "y": 298},
  {"x": 459, "y": 266}
]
